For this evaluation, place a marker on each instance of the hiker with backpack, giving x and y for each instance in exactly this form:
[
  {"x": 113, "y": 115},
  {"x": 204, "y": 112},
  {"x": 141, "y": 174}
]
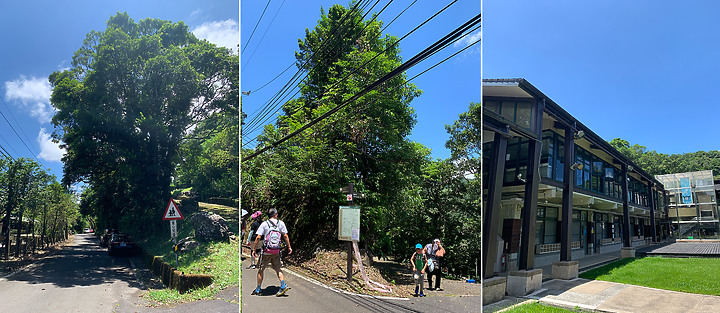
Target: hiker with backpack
[
  {"x": 253, "y": 231},
  {"x": 434, "y": 252},
  {"x": 274, "y": 232}
]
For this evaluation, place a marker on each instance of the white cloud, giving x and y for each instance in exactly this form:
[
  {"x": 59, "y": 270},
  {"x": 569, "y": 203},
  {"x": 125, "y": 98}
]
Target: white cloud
[
  {"x": 468, "y": 39},
  {"x": 49, "y": 151},
  {"x": 223, "y": 33},
  {"x": 33, "y": 95},
  {"x": 195, "y": 13}
]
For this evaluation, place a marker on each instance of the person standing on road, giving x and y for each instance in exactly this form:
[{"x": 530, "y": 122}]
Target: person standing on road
[
  {"x": 434, "y": 252},
  {"x": 419, "y": 263},
  {"x": 253, "y": 231},
  {"x": 274, "y": 231}
]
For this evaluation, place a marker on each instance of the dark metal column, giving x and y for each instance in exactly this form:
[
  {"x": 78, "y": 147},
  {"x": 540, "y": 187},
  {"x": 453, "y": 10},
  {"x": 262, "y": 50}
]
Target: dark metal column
[
  {"x": 567, "y": 202},
  {"x": 528, "y": 215},
  {"x": 653, "y": 232},
  {"x": 491, "y": 216},
  {"x": 626, "y": 208}
]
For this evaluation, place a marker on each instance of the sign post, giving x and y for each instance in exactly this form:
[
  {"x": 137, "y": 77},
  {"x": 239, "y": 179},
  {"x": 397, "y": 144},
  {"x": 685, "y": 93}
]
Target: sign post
[
  {"x": 349, "y": 224},
  {"x": 172, "y": 214}
]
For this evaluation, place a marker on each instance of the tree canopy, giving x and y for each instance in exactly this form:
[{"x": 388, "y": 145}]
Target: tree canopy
[
  {"x": 133, "y": 94},
  {"x": 409, "y": 198},
  {"x": 655, "y": 163}
]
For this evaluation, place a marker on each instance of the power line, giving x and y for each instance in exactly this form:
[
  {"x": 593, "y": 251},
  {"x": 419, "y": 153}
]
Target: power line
[
  {"x": 276, "y": 107},
  {"x": 9, "y": 145},
  {"x": 16, "y": 133},
  {"x": 293, "y": 63},
  {"x": 255, "y": 126},
  {"x": 396, "y": 17},
  {"x": 421, "y": 73},
  {"x": 266, "y": 108},
  {"x": 432, "y": 49},
  {"x": 256, "y": 25},
  {"x": 15, "y": 120},
  {"x": 263, "y": 37}
]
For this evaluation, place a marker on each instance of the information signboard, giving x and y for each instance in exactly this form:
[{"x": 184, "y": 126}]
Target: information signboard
[{"x": 349, "y": 223}]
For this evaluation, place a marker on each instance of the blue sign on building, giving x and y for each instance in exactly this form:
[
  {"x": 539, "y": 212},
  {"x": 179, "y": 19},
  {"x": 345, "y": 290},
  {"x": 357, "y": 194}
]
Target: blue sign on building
[{"x": 685, "y": 190}]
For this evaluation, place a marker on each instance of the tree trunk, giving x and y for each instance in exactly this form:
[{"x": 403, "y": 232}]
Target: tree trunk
[
  {"x": 44, "y": 227},
  {"x": 6, "y": 233},
  {"x": 18, "y": 237}
]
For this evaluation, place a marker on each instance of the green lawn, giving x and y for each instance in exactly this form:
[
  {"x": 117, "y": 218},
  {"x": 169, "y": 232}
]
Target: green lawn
[
  {"x": 538, "y": 307},
  {"x": 693, "y": 275}
]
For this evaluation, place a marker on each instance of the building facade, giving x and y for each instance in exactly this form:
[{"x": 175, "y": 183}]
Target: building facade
[
  {"x": 552, "y": 189},
  {"x": 692, "y": 205}
]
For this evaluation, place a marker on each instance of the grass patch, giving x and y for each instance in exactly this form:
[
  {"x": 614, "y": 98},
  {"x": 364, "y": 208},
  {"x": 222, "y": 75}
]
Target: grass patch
[
  {"x": 220, "y": 259},
  {"x": 693, "y": 275},
  {"x": 539, "y": 307}
]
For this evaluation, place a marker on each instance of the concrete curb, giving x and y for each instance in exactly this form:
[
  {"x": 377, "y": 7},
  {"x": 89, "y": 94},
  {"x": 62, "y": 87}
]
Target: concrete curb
[{"x": 311, "y": 280}]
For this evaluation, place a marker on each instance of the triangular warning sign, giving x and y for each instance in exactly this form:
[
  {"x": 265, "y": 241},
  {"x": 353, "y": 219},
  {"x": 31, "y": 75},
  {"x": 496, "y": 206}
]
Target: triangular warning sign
[{"x": 172, "y": 212}]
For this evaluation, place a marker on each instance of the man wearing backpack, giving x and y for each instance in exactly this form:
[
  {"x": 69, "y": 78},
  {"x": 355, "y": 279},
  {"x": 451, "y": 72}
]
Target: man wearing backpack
[
  {"x": 434, "y": 252},
  {"x": 274, "y": 231}
]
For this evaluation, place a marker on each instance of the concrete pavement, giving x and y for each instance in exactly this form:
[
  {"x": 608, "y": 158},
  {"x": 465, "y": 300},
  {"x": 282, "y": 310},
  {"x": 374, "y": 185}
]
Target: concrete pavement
[
  {"x": 307, "y": 295},
  {"x": 602, "y": 296}
]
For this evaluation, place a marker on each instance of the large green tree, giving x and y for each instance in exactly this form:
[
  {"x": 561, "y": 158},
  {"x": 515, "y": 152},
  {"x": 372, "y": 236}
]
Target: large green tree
[
  {"x": 655, "y": 163},
  {"x": 210, "y": 158},
  {"x": 365, "y": 143},
  {"x": 133, "y": 93}
]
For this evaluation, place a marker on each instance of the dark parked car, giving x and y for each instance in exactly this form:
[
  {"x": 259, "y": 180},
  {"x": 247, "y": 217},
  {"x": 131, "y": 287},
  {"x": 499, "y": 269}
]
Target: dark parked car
[{"x": 121, "y": 243}]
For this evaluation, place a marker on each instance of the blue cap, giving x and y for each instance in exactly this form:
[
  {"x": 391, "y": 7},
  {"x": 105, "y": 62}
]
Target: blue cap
[{"x": 418, "y": 246}]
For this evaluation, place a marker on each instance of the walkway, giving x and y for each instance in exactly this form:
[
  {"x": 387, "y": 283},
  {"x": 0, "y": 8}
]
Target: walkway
[
  {"x": 696, "y": 248},
  {"x": 586, "y": 263},
  {"x": 614, "y": 297},
  {"x": 602, "y": 296}
]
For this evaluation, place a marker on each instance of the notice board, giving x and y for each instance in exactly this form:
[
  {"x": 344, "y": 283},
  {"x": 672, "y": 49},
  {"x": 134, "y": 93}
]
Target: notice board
[{"x": 349, "y": 223}]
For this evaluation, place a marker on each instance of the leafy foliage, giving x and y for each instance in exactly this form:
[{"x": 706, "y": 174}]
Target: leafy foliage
[
  {"x": 210, "y": 158},
  {"x": 409, "y": 198},
  {"x": 133, "y": 93},
  {"x": 32, "y": 202},
  {"x": 655, "y": 163},
  {"x": 365, "y": 143}
]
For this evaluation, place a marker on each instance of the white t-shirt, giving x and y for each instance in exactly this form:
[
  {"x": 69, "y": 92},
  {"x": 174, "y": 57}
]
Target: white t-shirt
[{"x": 265, "y": 227}]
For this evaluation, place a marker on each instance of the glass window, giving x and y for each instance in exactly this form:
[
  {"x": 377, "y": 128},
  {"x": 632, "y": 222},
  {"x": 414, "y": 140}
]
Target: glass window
[
  {"x": 492, "y": 106},
  {"x": 524, "y": 114},
  {"x": 508, "y": 110},
  {"x": 560, "y": 161}
]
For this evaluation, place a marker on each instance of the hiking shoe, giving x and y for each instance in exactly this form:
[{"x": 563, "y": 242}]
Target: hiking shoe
[
  {"x": 431, "y": 289},
  {"x": 282, "y": 291},
  {"x": 438, "y": 289},
  {"x": 415, "y": 295},
  {"x": 421, "y": 294},
  {"x": 255, "y": 292}
]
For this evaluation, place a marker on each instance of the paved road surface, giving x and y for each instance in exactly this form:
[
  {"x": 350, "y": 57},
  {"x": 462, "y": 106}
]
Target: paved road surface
[
  {"x": 83, "y": 278},
  {"x": 308, "y": 297},
  {"x": 79, "y": 278}
]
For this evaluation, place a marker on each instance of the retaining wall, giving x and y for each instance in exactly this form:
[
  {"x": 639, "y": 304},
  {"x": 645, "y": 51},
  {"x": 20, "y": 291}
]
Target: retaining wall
[{"x": 172, "y": 278}]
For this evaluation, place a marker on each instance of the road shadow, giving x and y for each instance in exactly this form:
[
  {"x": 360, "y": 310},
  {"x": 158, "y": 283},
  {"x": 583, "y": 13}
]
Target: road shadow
[{"x": 81, "y": 263}]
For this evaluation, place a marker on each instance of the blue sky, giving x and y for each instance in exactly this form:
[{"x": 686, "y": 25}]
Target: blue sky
[
  {"x": 644, "y": 71},
  {"x": 40, "y": 37},
  {"x": 448, "y": 89}
]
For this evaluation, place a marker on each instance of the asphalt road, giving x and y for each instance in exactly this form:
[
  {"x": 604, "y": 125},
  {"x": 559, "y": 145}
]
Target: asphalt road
[
  {"x": 83, "y": 278},
  {"x": 79, "y": 278},
  {"x": 305, "y": 296}
]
